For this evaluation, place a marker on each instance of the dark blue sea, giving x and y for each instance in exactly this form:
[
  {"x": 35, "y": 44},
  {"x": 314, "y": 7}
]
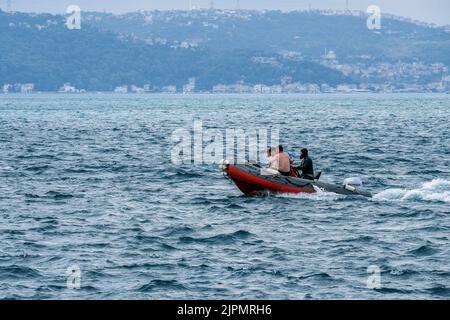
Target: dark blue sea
[{"x": 87, "y": 183}]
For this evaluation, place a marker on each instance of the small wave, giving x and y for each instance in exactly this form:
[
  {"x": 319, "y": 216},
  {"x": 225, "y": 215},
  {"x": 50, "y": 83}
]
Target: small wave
[
  {"x": 18, "y": 272},
  {"x": 394, "y": 291},
  {"x": 424, "y": 250},
  {"x": 173, "y": 231},
  {"x": 439, "y": 290},
  {"x": 58, "y": 195},
  {"x": 219, "y": 239},
  {"x": 235, "y": 206},
  {"x": 143, "y": 238},
  {"x": 50, "y": 288},
  {"x": 320, "y": 275},
  {"x": 31, "y": 196},
  {"x": 38, "y": 169},
  {"x": 316, "y": 275},
  {"x": 162, "y": 284},
  {"x": 147, "y": 266},
  {"x": 437, "y": 190},
  {"x": 319, "y": 195},
  {"x": 181, "y": 173},
  {"x": 167, "y": 247},
  {"x": 358, "y": 239},
  {"x": 14, "y": 232},
  {"x": 76, "y": 170},
  {"x": 200, "y": 201},
  {"x": 119, "y": 168}
]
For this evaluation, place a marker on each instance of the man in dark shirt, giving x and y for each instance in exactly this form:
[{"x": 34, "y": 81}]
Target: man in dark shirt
[{"x": 306, "y": 166}]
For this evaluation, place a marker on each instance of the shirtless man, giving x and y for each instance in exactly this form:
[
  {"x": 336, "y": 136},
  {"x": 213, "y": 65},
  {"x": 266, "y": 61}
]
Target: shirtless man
[{"x": 281, "y": 162}]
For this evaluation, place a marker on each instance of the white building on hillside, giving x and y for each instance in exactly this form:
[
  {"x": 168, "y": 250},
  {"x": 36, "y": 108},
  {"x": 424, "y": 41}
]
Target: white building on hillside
[
  {"x": 136, "y": 89},
  {"x": 26, "y": 88},
  {"x": 121, "y": 89},
  {"x": 5, "y": 88},
  {"x": 190, "y": 86},
  {"x": 169, "y": 89},
  {"x": 67, "y": 88}
]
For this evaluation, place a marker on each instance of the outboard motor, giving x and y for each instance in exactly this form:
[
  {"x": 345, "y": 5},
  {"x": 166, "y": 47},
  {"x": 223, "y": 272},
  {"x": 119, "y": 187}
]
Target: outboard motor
[{"x": 351, "y": 183}]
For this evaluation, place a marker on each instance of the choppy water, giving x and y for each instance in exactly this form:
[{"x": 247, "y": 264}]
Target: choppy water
[{"x": 87, "y": 180}]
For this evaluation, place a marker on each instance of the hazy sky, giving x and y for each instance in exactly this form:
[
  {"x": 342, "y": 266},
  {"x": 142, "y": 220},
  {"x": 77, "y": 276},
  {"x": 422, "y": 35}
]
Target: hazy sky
[{"x": 435, "y": 11}]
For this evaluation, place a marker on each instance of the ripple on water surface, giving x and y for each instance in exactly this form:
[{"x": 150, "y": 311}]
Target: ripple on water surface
[{"x": 87, "y": 181}]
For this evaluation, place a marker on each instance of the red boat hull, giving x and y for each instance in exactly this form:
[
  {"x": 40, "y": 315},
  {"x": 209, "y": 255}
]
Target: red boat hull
[{"x": 251, "y": 183}]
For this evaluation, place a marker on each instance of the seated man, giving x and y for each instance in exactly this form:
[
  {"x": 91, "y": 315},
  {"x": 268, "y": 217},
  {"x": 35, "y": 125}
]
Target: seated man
[
  {"x": 306, "y": 166},
  {"x": 272, "y": 162},
  {"x": 281, "y": 162}
]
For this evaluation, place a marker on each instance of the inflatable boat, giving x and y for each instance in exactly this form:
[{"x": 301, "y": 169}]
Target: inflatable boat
[{"x": 252, "y": 179}]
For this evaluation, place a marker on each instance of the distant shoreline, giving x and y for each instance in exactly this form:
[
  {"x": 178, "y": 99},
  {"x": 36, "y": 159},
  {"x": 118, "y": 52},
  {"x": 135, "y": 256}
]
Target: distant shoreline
[{"x": 218, "y": 94}]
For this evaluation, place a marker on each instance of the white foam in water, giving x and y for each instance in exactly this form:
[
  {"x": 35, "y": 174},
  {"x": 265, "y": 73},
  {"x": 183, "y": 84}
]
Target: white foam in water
[
  {"x": 318, "y": 195},
  {"x": 354, "y": 181},
  {"x": 436, "y": 190}
]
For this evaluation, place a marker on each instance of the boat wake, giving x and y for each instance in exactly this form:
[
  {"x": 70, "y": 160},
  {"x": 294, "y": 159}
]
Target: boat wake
[
  {"x": 319, "y": 195},
  {"x": 437, "y": 190}
]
